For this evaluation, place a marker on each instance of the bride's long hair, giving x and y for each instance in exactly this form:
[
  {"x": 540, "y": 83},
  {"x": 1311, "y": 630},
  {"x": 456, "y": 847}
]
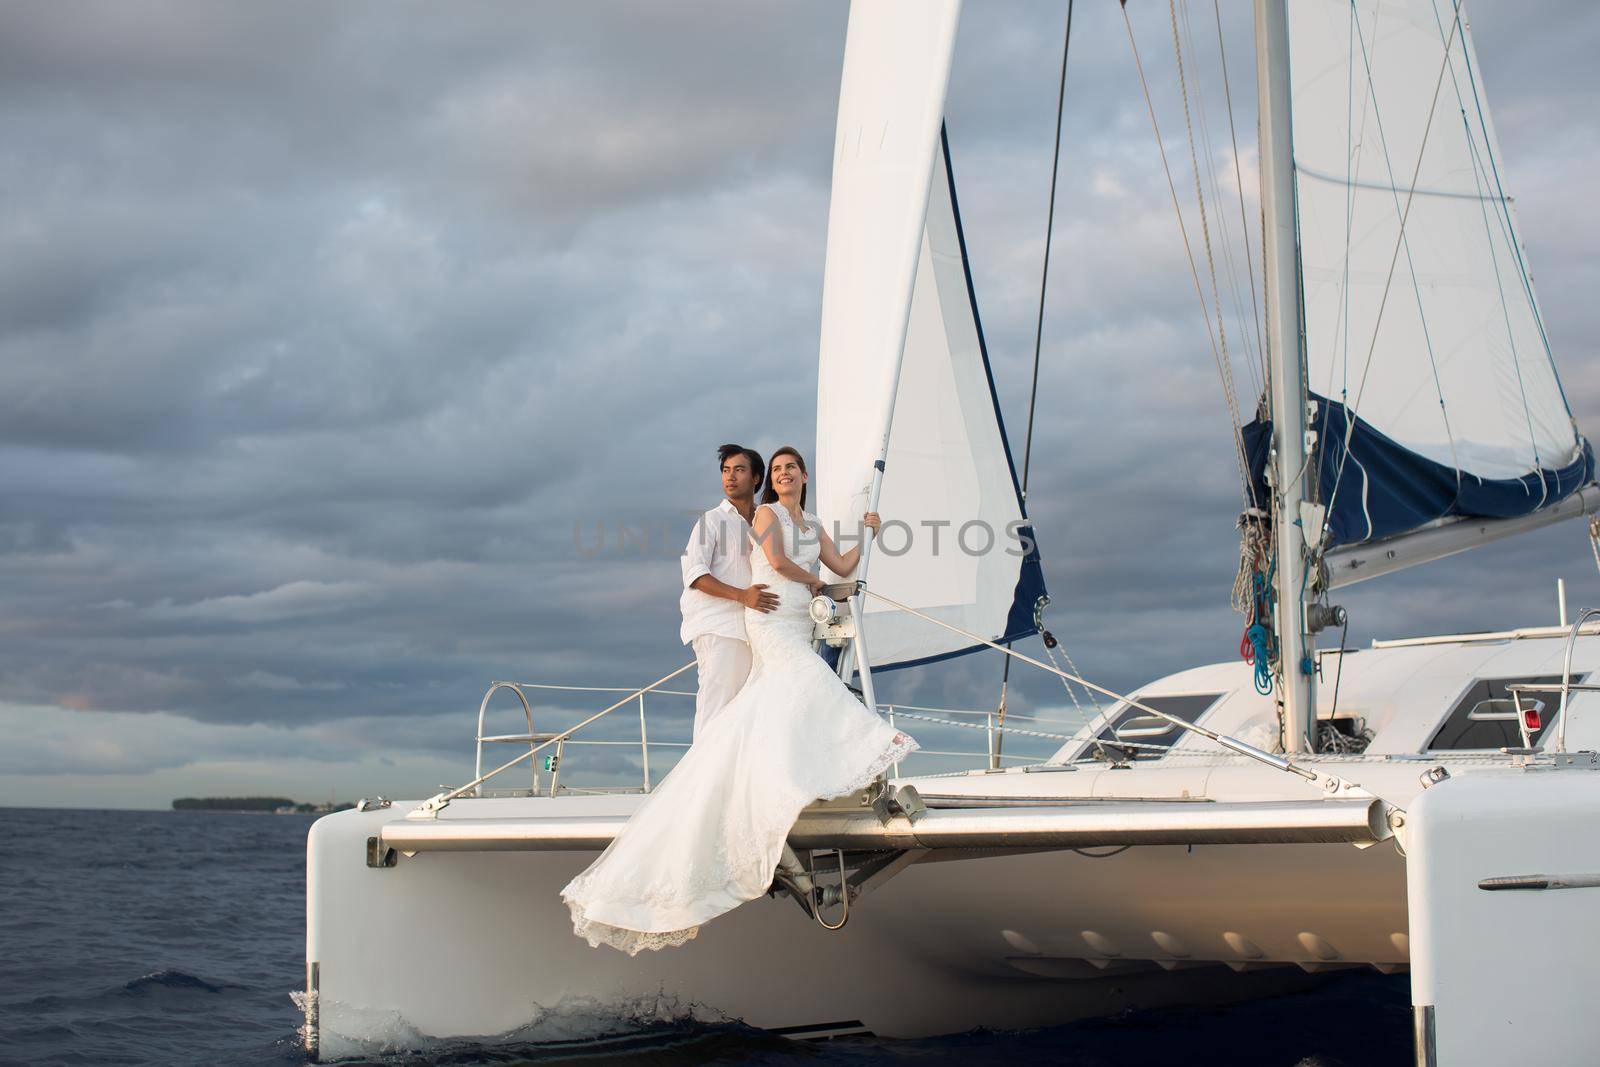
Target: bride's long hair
[{"x": 770, "y": 494}]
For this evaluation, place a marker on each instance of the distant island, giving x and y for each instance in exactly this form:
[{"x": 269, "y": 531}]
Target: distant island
[{"x": 273, "y": 805}]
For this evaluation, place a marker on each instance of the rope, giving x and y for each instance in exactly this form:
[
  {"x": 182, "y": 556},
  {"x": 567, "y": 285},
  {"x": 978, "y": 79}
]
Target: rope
[
  {"x": 1238, "y": 178},
  {"x": 1250, "y": 356},
  {"x": 1072, "y": 693},
  {"x": 980, "y": 726},
  {"x": 1253, "y": 549},
  {"x": 1194, "y": 271},
  {"x": 1229, "y": 392},
  {"x": 1254, "y": 599},
  {"x": 1230, "y": 269}
]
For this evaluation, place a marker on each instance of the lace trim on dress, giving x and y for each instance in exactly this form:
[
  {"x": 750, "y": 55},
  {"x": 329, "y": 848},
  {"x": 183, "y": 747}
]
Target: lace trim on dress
[
  {"x": 899, "y": 748},
  {"x": 632, "y": 942}
]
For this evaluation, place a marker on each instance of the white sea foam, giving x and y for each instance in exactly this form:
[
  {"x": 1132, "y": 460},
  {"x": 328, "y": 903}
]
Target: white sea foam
[{"x": 347, "y": 1030}]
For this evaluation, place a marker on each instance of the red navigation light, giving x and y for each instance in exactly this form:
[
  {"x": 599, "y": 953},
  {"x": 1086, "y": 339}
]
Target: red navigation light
[{"x": 1531, "y": 720}]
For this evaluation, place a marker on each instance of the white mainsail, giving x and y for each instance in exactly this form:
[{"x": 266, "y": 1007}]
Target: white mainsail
[
  {"x": 901, "y": 348},
  {"x": 1432, "y": 336}
]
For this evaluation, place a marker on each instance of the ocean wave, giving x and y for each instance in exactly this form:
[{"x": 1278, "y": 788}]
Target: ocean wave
[{"x": 169, "y": 981}]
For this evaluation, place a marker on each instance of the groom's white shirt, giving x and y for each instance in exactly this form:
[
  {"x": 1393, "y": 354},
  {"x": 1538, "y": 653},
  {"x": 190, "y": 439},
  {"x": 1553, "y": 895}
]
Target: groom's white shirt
[{"x": 719, "y": 546}]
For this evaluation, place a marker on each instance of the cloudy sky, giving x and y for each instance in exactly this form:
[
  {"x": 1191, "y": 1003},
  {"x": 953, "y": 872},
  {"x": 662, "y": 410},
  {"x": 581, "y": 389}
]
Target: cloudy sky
[{"x": 334, "y": 339}]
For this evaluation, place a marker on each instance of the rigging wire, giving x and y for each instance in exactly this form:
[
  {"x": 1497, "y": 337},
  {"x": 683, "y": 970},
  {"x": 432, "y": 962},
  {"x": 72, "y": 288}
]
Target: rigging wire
[
  {"x": 1479, "y": 175},
  {"x": 1351, "y": 411},
  {"x": 1038, "y": 344},
  {"x": 1357, "y": 35},
  {"x": 1238, "y": 178},
  {"x": 1230, "y": 392},
  {"x": 1252, "y": 590},
  {"x": 1504, "y": 209},
  {"x": 1044, "y": 273},
  {"x": 1230, "y": 270},
  {"x": 1194, "y": 270}
]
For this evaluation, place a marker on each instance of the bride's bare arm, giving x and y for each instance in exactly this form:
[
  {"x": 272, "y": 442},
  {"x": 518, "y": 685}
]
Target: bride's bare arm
[
  {"x": 844, "y": 563},
  {"x": 769, "y": 535}
]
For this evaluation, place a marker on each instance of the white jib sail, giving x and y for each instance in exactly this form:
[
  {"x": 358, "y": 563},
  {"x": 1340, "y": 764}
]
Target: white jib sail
[
  {"x": 1459, "y": 369},
  {"x": 899, "y": 335}
]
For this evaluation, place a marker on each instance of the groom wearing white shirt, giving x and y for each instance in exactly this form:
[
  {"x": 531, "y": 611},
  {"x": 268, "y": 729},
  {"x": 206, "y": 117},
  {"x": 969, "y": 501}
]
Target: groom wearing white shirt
[{"x": 716, "y": 585}]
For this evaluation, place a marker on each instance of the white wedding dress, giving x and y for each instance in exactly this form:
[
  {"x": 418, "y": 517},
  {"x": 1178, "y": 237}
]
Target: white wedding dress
[{"x": 709, "y": 837}]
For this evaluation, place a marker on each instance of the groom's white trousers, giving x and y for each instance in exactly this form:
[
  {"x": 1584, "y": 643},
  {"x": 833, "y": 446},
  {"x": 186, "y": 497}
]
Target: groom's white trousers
[{"x": 724, "y": 664}]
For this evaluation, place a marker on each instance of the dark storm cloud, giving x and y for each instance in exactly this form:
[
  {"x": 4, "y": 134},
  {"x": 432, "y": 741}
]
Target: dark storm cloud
[{"x": 329, "y": 336}]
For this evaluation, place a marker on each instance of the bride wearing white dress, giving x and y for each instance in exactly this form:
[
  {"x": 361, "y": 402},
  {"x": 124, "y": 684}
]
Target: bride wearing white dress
[{"x": 709, "y": 837}]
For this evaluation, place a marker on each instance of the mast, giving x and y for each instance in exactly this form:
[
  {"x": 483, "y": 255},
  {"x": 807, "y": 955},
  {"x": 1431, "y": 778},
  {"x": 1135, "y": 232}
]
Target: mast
[{"x": 1291, "y": 481}]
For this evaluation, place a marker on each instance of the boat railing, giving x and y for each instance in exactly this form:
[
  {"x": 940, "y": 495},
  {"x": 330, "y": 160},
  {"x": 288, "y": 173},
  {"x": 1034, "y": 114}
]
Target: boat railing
[
  {"x": 992, "y": 723},
  {"x": 1567, "y": 686},
  {"x": 1331, "y": 784},
  {"x": 534, "y": 739},
  {"x": 554, "y": 743},
  {"x": 536, "y": 742}
]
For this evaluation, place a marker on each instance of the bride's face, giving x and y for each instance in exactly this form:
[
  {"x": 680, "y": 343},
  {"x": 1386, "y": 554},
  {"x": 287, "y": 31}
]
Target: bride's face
[{"x": 786, "y": 476}]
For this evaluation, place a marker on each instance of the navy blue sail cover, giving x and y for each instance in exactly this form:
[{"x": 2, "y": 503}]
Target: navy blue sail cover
[{"x": 1387, "y": 489}]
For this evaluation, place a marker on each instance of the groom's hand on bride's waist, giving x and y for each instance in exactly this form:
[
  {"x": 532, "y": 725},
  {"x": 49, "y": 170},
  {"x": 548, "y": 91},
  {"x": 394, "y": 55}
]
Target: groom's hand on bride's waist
[{"x": 756, "y": 598}]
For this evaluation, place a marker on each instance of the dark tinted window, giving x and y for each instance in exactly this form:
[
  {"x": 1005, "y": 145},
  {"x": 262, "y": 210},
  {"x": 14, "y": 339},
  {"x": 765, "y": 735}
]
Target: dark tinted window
[
  {"x": 1187, "y": 708},
  {"x": 1462, "y": 734}
]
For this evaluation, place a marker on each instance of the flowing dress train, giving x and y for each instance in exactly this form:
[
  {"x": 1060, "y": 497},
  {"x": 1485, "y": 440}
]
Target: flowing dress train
[{"x": 709, "y": 837}]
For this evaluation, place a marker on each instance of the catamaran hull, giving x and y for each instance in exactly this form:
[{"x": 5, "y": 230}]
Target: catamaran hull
[{"x": 478, "y": 944}]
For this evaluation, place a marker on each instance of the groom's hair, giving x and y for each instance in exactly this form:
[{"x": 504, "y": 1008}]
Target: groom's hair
[{"x": 727, "y": 452}]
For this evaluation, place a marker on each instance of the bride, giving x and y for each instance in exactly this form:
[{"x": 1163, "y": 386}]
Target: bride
[{"x": 709, "y": 837}]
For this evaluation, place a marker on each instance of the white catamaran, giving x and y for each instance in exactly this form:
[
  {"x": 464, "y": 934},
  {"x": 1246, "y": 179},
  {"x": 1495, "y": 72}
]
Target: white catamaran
[{"x": 1221, "y": 831}]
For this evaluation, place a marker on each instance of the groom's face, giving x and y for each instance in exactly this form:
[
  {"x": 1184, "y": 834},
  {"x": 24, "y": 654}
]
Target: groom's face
[{"x": 738, "y": 479}]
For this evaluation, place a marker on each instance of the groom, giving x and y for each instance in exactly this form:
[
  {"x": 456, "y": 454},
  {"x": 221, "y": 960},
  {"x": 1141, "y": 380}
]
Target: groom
[{"x": 716, "y": 585}]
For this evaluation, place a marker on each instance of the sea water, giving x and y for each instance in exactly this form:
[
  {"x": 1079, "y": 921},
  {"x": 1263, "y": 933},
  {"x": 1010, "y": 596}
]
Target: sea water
[{"x": 134, "y": 937}]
